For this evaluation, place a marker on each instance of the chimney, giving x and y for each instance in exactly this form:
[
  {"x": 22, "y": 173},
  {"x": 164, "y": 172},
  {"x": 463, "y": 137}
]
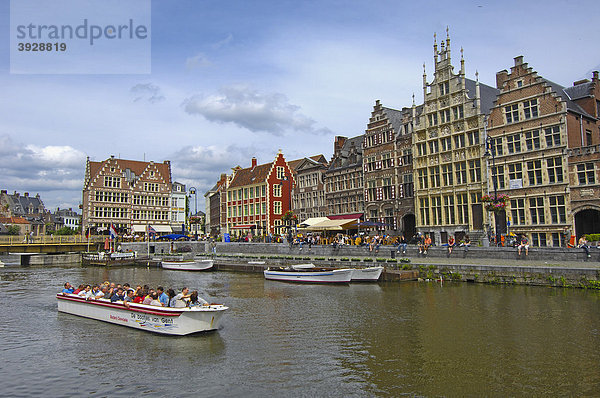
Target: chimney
[
  {"x": 26, "y": 194},
  {"x": 519, "y": 60},
  {"x": 167, "y": 162},
  {"x": 223, "y": 177},
  {"x": 16, "y": 194},
  {"x": 578, "y": 82},
  {"x": 253, "y": 162},
  {"x": 4, "y": 191},
  {"x": 338, "y": 143},
  {"x": 595, "y": 76},
  {"x": 501, "y": 78}
]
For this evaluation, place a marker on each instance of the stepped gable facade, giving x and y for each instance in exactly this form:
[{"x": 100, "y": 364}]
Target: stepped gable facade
[
  {"x": 387, "y": 168},
  {"x": 129, "y": 194},
  {"x": 258, "y": 196},
  {"x": 344, "y": 178},
  {"x": 448, "y": 151},
  {"x": 544, "y": 142}
]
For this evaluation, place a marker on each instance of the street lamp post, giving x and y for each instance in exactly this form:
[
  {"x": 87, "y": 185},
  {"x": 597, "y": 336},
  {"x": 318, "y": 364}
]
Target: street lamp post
[
  {"x": 490, "y": 150},
  {"x": 193, "y": 191}
]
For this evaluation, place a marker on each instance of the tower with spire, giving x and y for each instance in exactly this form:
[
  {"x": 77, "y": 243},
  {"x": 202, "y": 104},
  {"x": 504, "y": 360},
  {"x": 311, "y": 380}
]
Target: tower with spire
[{"x": 448, "y": 147}]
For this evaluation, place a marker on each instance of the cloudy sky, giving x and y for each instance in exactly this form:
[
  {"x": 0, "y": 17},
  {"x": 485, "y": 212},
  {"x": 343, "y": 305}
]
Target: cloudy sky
[{"x": 234, "y": 79}]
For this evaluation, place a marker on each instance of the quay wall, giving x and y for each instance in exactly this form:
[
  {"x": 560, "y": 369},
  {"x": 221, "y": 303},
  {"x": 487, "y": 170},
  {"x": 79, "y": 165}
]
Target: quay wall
[
  {"x": 555, "y": 254},
  {"x": 51, "y": 259}
]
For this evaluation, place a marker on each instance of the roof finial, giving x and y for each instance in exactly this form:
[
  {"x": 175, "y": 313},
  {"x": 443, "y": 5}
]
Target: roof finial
[
  {"x": 477, "y": 75},
  {"x": 447, "y": 32},
  {"x": 413, "y": 99},
  {"x": 423, "y": 67},
  {"x": 461, "y": 53}
]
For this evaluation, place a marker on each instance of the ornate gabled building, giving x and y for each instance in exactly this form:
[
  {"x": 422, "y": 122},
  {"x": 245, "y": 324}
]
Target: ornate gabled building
[
  {"x": 387, "y": 167},
  {"x": 533, "y": 127},
  {"x": 584, "y": 157},
  {"x": 258, "y": 196},
  {"x": 344, "y": 179},
  {"x": 30, "y": 208},
  {"x": 308, "y": 196},
  {"x": 129, "y": 194},
  {"x": 448, "y": 149}
]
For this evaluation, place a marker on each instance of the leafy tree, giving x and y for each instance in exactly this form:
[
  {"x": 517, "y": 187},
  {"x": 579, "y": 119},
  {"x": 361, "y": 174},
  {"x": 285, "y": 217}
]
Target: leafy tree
[{"x": 13, "y": 230}]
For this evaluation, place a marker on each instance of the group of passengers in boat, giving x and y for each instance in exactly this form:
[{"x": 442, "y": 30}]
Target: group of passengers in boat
[{"x": 141, "y": 294}]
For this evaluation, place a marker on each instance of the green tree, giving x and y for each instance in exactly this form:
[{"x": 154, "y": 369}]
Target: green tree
[{"x": 13, "y": 230}]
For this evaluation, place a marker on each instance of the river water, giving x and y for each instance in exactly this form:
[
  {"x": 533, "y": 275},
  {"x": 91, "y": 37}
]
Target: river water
[{"x": 282, "y": 339}]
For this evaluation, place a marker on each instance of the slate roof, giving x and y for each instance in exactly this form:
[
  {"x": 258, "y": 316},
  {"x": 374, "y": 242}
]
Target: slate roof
[
  {"x": 395, "y": 117},
  {"x": 579, "y": 91},
  {"x": 345, "y": 151},
  {"x": 136, "y": 166},
  {"x": 20, "y": 204},
  {"x": 315, "y": 159},
  {"x": 488, "y": 94},
  {"x": 564, "y": 93}
]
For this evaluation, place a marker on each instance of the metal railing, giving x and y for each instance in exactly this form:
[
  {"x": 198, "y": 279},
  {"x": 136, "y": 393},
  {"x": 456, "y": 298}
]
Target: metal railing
[{"x": 47, "y": 239}]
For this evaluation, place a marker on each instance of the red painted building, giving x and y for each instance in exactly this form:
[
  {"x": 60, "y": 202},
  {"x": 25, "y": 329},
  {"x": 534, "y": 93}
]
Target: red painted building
[{"x": 258, "y": 196}]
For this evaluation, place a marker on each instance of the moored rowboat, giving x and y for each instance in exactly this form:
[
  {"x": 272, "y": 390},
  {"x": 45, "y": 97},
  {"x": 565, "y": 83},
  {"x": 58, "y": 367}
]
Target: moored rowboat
[
  {"x": 308, "y": 273},
  {"x": 163, "y": 320},
  {"x": 370, "y": 274},
  {"x": 188, "y": 265}
]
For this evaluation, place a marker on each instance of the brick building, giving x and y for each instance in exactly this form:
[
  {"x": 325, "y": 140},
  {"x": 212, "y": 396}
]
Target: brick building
[
  {"x": 128, "y": 194},
  {"x": 387, "y": 168},
  {"x": 584, "y": 157},
  {"x": 258, "y": 196},
  {"x": 216, "y": 207},
  {"x": 344, "y": 179},
  {"x": 448, "y": 150},
  {"x": 531, "y": 127}
]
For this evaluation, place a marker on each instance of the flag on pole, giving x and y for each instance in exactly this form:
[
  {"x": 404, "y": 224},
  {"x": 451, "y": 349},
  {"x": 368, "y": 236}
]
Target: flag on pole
[
  {"x": 151, "y": 231},
  {"x": 87, "y": 234},
  {"x": 112, "y": 232}
]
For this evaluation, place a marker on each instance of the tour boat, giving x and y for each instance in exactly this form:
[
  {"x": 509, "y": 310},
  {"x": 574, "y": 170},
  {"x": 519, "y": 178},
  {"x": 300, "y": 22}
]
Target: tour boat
[
  {"x": 370, "y": 274},
  {"x": 163, "y": 320},
  {"x": 308, "y": 273},
  {"x": 188, "y": 265}
]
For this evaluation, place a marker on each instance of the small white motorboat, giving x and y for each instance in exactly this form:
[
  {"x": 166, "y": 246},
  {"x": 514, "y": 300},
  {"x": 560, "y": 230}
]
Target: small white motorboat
[
  {"x": 188, "y": 265},
  {"x": 163, "y": 320},
  {"x": 370, "y": 274},
  {"x": 308, "y": 273}
]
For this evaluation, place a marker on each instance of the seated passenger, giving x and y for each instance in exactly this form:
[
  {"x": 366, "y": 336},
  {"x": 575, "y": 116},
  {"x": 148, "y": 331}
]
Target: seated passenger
[
  {"x": 118, "y": 295},
  {"x": 171, "y": 295},
  {"x": 139, "y": 297},
  {"x": 86, "y": 292},
  {"x": 80, "y": 288},
  {"x": 179, "y": 301},
  {"x": 162, "y": 296},
  {"x": 148, "y": 297},
  {"x": 98, "y": 292},
  {"x": 129, "y": 297},
  {"x": 155, "y": 301},
  {"x": 195, "y": 300},
  {"x": 68, "y": 288}
]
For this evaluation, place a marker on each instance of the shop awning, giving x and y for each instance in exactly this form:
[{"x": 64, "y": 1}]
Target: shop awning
[
  {"x": 244, "y": 226},
  {"x": 311, "y": 221},
  {"x": 346, "y": 216},
  {"x": 162, "y": 228},
  {"x": 334, "y": 225},
  {"x": 158, "y": 228}
]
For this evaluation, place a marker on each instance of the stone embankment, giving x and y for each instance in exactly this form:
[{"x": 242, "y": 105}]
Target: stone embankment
[{"x": 542, "y": 266}]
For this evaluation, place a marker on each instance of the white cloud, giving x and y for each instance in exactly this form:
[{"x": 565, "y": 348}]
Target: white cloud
[
  {"x": 252, "y": 110},
  {"x": 197, "y": 61},
  {"x": 147, "y": 92},
  {"x": 224, "y": 42},
  {"x": 49, "y": 170}
]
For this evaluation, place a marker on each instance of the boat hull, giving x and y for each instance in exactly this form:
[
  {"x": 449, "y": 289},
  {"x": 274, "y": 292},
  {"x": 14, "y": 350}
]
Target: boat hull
[
  {"x": 370, "y": 274},
  {"x": 195, "y": 265},
  {"x": 329, "y": 276},
  {"x": 162, "y": 320}
]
